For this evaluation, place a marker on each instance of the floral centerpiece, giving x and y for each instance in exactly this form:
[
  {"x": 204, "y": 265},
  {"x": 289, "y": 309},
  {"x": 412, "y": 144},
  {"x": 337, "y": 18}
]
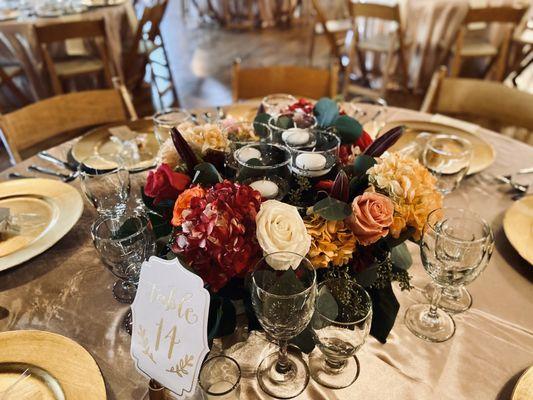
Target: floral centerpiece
[{"x": 356, "y": 224}]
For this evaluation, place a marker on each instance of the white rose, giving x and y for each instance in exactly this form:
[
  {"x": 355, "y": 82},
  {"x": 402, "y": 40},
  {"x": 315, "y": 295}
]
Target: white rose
[{"x": 281, "y": 228}]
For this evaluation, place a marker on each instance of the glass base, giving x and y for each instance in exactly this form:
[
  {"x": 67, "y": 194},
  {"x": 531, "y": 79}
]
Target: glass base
[
  {"x": 324, "y": 374},
  {"x": 454, "y": 300},
  {"x": 283, "y": 385},
  {"x": 434, "y": 329},
  {"x": 127, "y": 322},
  {"x": 124, "y": 292}
]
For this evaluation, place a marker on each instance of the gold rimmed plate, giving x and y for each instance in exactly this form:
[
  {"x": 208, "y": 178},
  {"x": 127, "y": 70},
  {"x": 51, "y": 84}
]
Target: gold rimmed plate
[
  {"x": 44, "y": 209},
  {"x": 59, "y": 368},
  {"x": 518, "y": 227},
  {"x": 98, "y": 143},
  {"x": 524, "y": 387},
  {"x": 483, "y": 154}
]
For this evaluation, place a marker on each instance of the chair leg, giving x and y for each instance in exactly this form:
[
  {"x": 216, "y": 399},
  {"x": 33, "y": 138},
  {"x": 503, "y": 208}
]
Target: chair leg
[
  {"x": 387, "y": 71},
  {"x": 455, "y": 68}
]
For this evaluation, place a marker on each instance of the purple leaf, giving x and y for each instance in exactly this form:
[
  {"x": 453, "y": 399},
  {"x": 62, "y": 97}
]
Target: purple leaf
[
  {"x": 384, "y": 142},
  {"x": 184, "y": 150},
  {"x": 339, "y": 190}
]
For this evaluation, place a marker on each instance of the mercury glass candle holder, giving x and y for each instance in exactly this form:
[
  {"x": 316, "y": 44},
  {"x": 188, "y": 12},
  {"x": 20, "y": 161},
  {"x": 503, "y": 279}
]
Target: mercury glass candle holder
[
  {"x": 265, "y": 167},
  {"x": 239, "y": 134},
  {"x": 275, "y": 104},
  {"x": 280, "y": 123},
  {"x": 317, "y": 158}
]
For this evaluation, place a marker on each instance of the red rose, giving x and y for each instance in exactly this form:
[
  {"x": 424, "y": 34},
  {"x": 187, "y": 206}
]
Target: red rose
[
  {"x": 364, "y": 141},
  {"x": 165, "y": 184}
]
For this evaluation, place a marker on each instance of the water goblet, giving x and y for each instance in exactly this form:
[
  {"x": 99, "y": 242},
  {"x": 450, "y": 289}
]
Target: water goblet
[
  {"x": 106, "y": 189},
  {"x": 455, "y": 247},
  {"x": 265, "y": 167},
  {"x": 167, "y": 119},
  {"x": 340, "y": 325},
  {"x": 283, "y": 298},
  {"x": 447, "y": 157},
  {"x": 275, "y": 104},
  {"x": 123, "y": 242},
  {"x": 220, "y": 378}
]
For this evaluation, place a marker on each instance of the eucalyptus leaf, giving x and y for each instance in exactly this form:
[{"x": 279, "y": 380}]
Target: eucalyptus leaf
[
  {"x": 348, "y": 129},
  {"x": 304, "y": 340},
  {"x": 222, "y": 318},
  {"x": 358, "y": 185},
  {"x": 401, "y": 258},
  {"x": 385, "y": 308},
  {"x": 261, "y": 130},
  {"x": 405, "y": 235},
  {"x": 206, "y": 174},
  {"x": 362, "y": 163},
  {"x": 246, "y": 172},
  {"x": 326, "y": 304},
  {"x": 284, "y": 122},
  {"x": 332, "y": 209},
  {"x": 326, "y": 111},
  {"x": 368, "y": 276}
]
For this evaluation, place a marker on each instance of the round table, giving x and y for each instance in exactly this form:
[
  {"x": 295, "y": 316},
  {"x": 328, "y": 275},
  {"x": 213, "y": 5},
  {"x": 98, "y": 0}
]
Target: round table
[{"x": 67, "y": 290}]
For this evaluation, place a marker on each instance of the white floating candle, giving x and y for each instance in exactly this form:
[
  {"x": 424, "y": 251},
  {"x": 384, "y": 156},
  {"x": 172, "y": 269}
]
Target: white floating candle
[
  {"x": 248, "y": 153},
  {"x": 311, "y": 161},
  {"x": 268, "y": 189},
  {"x": 295, "y": 136}
]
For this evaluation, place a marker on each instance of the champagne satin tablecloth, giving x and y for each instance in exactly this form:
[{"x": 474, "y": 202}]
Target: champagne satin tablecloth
[{"x": 68, "y": 290}]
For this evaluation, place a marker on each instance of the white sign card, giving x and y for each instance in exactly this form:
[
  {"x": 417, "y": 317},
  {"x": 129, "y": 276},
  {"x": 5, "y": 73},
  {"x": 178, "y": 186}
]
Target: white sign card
[{"x": 169, "y": 335}]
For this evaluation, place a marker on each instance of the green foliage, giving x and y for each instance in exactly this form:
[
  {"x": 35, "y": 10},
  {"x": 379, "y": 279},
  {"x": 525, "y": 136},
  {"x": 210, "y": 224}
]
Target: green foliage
[
  {"x": 262, "y": 118},
  {"x": 332, "y": 209},
  {"x": 348, "y": 129},
  {"x": 206, "y": 174},
  {"x": 401, "y": 258},
  {"x": 326, "y": 112}
]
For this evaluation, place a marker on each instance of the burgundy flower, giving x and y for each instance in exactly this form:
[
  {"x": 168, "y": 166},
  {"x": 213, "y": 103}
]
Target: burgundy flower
[{"x": 165, "y": 184}]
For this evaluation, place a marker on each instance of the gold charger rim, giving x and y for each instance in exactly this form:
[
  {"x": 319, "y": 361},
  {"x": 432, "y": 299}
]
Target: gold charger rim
[
  {"x": 63, "y": 358},
  {"x": 418, "y": 125},
  {"x": 509, "y": 228},
  {"x": 525, "y": 379},
  {"x": 70, "y": 207}
]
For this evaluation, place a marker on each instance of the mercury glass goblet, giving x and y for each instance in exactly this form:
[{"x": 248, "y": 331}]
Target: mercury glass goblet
[
  {"x": 220, "y": 378},
  {"x": 455, "y": 247},
  {"x": 283, "y": 297},
  {"x": 124, "y": 242},
  {"x": 340, "y": 325},
  {"x": 106, "y": 189}
]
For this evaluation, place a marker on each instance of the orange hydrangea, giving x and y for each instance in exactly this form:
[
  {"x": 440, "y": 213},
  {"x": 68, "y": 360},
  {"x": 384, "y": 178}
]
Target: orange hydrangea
[{"x": 183, "y": 202}]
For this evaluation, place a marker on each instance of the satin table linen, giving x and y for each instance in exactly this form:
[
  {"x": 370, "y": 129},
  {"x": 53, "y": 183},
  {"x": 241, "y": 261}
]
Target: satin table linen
[{"x": 68, "y": 290}]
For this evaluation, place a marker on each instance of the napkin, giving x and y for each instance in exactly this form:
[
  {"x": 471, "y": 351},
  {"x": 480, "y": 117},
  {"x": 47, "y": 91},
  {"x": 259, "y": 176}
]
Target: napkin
[
  {"x": 125, "y": 138},
  {"x": 7, "y": 228}
]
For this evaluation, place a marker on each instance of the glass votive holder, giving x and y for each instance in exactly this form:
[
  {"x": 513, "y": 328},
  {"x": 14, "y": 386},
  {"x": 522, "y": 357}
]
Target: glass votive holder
[
  {"x": 242, "y": 133},
  {"x": 220, "y": 378},
  {"x": 280, "y": 123},
  {"x": 265, "y": 167},
  {"x": 168, "y": 119},
  {"x": 317, "y": 159},
  {"x": 275, "y": 104}
]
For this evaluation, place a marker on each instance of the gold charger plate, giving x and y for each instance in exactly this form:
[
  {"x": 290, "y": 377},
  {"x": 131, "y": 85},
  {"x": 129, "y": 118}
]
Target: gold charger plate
[
  {"x": 518, "y": 227},
  {"x": 51, "y": 209},
  {"x": 246, "y": 111},
  {"x": 98, "y": 143},
  {"x": 60, "y": 368},
  {"x": 483, "y": 153},
  {"x": 524, "y": 387}
]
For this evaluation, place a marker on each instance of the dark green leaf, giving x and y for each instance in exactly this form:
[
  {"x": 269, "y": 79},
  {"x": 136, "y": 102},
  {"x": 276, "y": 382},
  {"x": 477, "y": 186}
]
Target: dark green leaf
[
  {"x": 326, "y": 111},
  {"x": 401, "y": 258},
  {"x": 260, "y": 119},
  {"x": 358, "y": 185},
  {"x": 384, "y": 311},
  {"x": 326, "y": 304},
  {"x": 367, "y": 276},
  {"x": 405, "y": 235},
  {"x": 348, "y": 129},
  {"x": 206, "y": 174},
  {"x": 332, "y": 209},
  {"x": 362, "y": 163},
  {"x": 222, "y": 317},
  {"x": 129, "y": 227},
  {"x": 246, "y": 172},
  {"x": 304, "y": 340},
  {"x": 285, "y": 122}
]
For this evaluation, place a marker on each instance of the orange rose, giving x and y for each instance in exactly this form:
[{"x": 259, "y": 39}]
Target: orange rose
[{"x": 183, "y": 202}]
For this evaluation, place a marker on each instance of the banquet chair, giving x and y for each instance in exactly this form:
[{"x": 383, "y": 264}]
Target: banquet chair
[
  {"x": 483, "y": 101},
  {"x": 7, "y": 75},
  {"x": 67, "y": 68},
  {"x": 314, "y": 83},
  {"x": 56, "y": 119},
  {"x": 474, "y": 44},
  {"x": 148, "y": 49},
  {"x": 392, "y": 44},
  {"x": 334, "y": 30}
]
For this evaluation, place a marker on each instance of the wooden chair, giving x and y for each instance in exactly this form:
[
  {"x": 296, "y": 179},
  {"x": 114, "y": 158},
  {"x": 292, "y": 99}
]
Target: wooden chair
[
  {"x": 248, "y": 83},
  {"x": 390, "y": 44},
  {"x": 148, "y": 49},
  {"x": 478, "y": 99},
  {"x": 9, "y": 70},
  {"x": 335, "y": 31},
  {"x": 469, "y": 44},
  {"x": 34, "y": 127},
  {"x": 67, "y": 68}
]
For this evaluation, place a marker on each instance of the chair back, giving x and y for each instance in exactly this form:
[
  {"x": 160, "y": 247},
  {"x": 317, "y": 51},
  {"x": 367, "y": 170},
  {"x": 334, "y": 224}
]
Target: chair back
[
  {"x": 322, "y": 19},
  {"x": 480, "y": 99},
  {"x": 373, "y": 10},
  {"x": 508, "y": 14},
  {"x": 314, "y": 83},
  {"x": 93, "y": 30},
  {"x": 39, "y": 122}
]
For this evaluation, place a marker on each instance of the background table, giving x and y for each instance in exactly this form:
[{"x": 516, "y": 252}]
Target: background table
[{"x": 68, "y": 290}]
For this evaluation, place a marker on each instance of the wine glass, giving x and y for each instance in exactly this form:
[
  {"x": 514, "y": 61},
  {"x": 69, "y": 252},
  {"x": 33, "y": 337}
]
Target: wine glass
[
  {"x": 107, "y": 189},
  {"x": 283, "y": 297},
  {"x": 167, "y": 119},
  {"x": 455, "y": 247},
  {"x": 340, "y": 325},
  {"x": 220, "y": 378}
]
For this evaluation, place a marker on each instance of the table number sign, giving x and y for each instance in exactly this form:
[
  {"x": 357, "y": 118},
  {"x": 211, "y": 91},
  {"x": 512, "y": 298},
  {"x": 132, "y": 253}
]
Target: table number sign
[{"x": 169, "y": 335}]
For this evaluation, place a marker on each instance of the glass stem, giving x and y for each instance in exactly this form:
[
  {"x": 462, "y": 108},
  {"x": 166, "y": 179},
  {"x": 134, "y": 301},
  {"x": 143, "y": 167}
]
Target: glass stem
[
  {"x": 435, "y": 299},
  {"x": 283, "y": 366}
]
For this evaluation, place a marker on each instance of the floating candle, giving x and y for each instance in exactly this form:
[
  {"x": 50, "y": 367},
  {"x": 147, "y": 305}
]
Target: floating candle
[
  {"x": 311, "y": 161},
  {"x": 295, "y": 136},
  {"x": 247, "y": 153},
  {"x": 268, "y": 189}
]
